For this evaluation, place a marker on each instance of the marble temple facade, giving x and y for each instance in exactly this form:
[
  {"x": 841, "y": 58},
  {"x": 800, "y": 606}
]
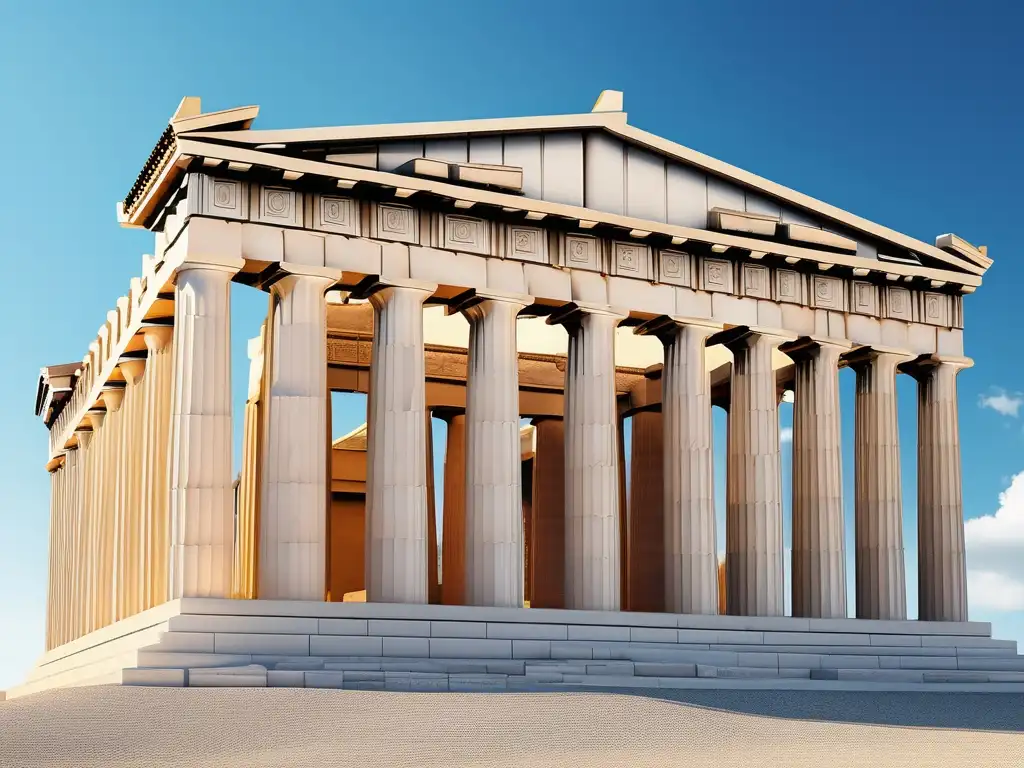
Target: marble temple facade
[{"x": 572, "y": 270}]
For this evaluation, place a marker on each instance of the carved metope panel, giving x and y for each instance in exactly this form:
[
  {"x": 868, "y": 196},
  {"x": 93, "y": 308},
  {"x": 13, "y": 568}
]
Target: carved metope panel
[
  {"x": 526, "y": 244},
  {"x": 462, "y": 233},
  {"x": 675, "y": 268},
  {"x": 897, "y": 304},
  {"x": 863, "y": 298},
  {"x": 827, "y": 293},
  {"x": 631, "y": 260},
  {"x": 716, "y": 275},
  {"x": 339, "y": 215},
  {"x": 398, "y": 223},
  {"x": 789, "y": 287},
  {"x": 756, "y": 281},
  {"x": 581, "y": 252},
  {"x": 276, "y": 205}
]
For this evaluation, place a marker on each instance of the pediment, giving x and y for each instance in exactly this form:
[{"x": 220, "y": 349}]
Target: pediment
[{"x": 594, "y": 161}]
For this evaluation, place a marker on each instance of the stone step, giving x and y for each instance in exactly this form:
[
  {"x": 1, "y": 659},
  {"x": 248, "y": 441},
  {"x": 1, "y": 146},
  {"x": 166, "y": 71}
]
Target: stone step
[
  {"x": 247, "y": 676},
  {"x": 990, "y": 664}
]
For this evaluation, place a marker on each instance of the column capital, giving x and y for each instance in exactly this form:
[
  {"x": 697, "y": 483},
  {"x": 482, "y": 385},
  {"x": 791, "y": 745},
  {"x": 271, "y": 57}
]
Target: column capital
[
  {"x": 84, "y": 437},
  {"x": 924, "y": 365},
  {"x": 112, "y": 398},
  {"x": 374, "y": 284},
  {"x": 279, "y": 271},
  {"x": 230, "y": 264},
  {"x": 667, "y": 324},
  {"x": 805, "y": 346},
  {"x": 474, "y": 297},
  {"x": 157, "y": 337},
  {"x": 133, "y": 369},
  {"x": 745, "y": 335},
  {"x": 95, "y": 419},
  {"x": 866, "y": 354},
  {"x": 571, "y": 312}
]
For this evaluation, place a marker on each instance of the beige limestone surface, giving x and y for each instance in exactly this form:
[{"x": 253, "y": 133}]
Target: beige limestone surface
[{"x": 236, "y": 728}]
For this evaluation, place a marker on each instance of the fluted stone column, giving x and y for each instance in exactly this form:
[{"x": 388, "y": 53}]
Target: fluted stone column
[
  {"x": 154, "y": 533},
  {"x": 753, "y": 527},
  {"x": 878, "y": 498},
  {"x": 52, "y": 561},
  {"x": 941, "y": 561},
  {"x": 547, "y": 558},
  {"x": 293, "y": 513},
  {"x": 201, "y": 497},
  {"x": 396, "y": 482},
  {"x": 819, "y": 551},
  {"x": 494, "y": 503},
  {"x": 79, "y": 532},
  {"x": 130, "y": 588},
  {"x": 453, "y": 543},
  {"x": 93, "y": 537},
  {"x": 592, "y": 493},
  {"x": 691, "y": 553}
]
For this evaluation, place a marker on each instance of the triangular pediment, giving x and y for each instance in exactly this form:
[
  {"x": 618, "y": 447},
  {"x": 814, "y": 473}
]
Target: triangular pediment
[{"x": 593, "y": 161}]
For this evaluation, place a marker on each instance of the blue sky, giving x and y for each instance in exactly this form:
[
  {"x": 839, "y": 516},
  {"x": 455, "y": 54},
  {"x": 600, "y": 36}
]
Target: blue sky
[{"x": 912, "y": 119}]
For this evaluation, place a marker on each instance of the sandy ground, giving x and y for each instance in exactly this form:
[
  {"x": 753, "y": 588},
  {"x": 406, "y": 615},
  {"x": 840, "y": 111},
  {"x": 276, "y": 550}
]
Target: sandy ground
[{"x": 240, "y": 728}]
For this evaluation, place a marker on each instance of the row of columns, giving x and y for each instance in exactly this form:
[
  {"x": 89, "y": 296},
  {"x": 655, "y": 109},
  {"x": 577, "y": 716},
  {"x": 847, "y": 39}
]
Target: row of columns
[
  {"x": 292, "y": 535},
  {"x": 108, "y": 525}
]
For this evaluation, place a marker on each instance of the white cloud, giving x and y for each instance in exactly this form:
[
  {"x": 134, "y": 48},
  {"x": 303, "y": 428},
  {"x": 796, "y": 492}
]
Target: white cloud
[
  {"x": 1002, "y": 402},
  {"x": 995, "y": 553},
  {"x": 786, "y": 435}
]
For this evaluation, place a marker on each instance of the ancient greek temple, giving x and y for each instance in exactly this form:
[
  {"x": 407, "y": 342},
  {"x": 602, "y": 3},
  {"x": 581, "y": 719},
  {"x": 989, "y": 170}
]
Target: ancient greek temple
[{"x": 535, "y": 283}]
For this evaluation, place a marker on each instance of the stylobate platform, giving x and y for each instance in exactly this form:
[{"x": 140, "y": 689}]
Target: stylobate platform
[{"x": 201, "y": 642}]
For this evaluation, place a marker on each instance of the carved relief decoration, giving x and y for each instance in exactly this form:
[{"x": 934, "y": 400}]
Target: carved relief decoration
[
  {"x": 224, "y": 198},
  {"x": 675, "y": 268},
  {"x": 827, "y": 293},
  {"x": 526, "y": 244},
  {"x": 755, "y": 281},
  {"x": 631, "y": 260},
  {"x": 716, "y": 275},
  {"x": 336, "y": 214},
  {"x": 278, "y": 205},
  {"x": 787, "y": 286},
  {"x": 581, "y": 252},
  {"x": 463, "y": 233},
  {"x": 864, "y": 298},
  {"x": 396, "y": 222},
  {"x": 898, "y": 304},
  {"x": 935, "y": 308}
]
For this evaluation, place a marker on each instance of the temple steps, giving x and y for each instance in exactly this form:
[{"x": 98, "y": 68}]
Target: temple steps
[
  {"x": 289, "y": 643},
  {"x": 500, "y": 674},
  {"x": 205, "y": 669}
]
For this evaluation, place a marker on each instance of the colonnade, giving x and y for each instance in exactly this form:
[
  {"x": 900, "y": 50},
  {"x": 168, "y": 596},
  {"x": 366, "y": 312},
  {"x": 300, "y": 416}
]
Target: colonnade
[
  {"x": 131, "y": 545},
  {"x": 109, "y": 522}
]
